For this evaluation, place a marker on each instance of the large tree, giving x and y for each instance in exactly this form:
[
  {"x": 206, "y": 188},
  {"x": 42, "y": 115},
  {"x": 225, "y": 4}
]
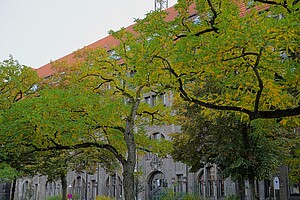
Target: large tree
[
  {"x": 55, "y": 164},
  {"x": 17, "y": 82},
  {"x": 224, "y": 57},
  {"x": 240, "y": 150},
  {"x": 251, "y": 56},
  {"x": 96, "y": 102}
]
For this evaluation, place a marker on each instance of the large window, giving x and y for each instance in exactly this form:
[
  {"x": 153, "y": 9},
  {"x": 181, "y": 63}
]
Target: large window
[
  {"x": 27, "y": 191},
  {"x": 221, "y": 191},
  {"x": 114, "y": 186},
  {"x": 210, "y": 181},
  {"x": 78, "y": 187},
  {"x": 50, "y": 189},
  {"x": 155, "y": 99},
  {"x": 267, "y": 188},
  {"x": 295, "y": 189},
  {"x": 201, "y": 183}
]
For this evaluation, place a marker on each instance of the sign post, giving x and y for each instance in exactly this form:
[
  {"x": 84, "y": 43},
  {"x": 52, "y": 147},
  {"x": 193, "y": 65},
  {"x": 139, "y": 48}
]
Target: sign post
[{"x": 276, "y": 186}]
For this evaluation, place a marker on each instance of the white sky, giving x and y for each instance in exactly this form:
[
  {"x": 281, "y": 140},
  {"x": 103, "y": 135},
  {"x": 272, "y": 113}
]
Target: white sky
[{"x": 37, "y": 31}]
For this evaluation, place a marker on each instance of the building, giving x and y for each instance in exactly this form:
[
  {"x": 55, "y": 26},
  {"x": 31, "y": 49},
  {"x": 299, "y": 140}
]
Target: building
[{"x": 158, "y": 173}]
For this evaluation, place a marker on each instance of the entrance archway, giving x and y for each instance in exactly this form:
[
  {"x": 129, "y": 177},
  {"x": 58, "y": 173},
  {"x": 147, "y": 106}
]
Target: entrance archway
[
  {"x": 79, "y": 188},
  {"x": 156, "y": 184}
]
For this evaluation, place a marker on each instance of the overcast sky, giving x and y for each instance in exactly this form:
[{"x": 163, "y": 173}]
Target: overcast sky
[{"x": 37, "y": 31}]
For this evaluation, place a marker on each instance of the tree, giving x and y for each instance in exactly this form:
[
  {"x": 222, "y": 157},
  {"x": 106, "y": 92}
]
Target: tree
[
  {"x": 251, "y": 57},
  {"x": 118, "y": 113},
  {"x": 55, "y": 164},
  {"x": 241, "y": 151},
  {"x": 223, "y": 59},
  {"x": 293, "y": 162},
  {"x": 97, "y": 102},
  {"x": 18, "y": 82}
]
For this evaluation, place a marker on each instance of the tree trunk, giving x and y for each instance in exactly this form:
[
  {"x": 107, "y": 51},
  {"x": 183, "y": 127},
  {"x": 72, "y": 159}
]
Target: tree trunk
[
  {"x": 129, "y": 164},
  {"x": 128, "y": 167},
  {"x": 241, "y": 189},
  {"x": 13, "y": 189},
  {"x": 128, "y": 181},
  {"x": 64, "y": 186}
]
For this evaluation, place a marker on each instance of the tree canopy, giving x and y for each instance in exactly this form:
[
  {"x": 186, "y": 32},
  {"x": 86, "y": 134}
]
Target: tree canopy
[{"x": 250, "y": 56}]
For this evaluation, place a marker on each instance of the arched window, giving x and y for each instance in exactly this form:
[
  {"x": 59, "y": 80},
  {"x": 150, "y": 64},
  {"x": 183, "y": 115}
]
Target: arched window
[
  {"x": 221, "y": 189},
  {"x": 201, "y": 183},
  {"x": 27, "y": 192},
  {"x": 157, "y": 136},
  {"x": 50, "y": 189},
  {"x": 210, "y": 180}
]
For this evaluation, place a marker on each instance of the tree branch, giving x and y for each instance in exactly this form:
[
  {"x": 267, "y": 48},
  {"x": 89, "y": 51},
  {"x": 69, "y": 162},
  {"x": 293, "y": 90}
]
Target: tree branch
[
  {"x": 108, "y": 147},
  {"x": 284, "y": 4},
  {"x": 260, "y": 82},
  {"x": 252, "y": 114}
]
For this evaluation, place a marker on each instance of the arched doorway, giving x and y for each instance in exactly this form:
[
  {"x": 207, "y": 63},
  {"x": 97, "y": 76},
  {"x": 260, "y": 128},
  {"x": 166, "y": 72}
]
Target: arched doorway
[
  {"x": 156, "y": 184},
  {"x": 50, "y": 189},
  {"x": 27, "y": 191},
  {"x": 114, "y": 186},
  {"x": 79, "y": 188}
]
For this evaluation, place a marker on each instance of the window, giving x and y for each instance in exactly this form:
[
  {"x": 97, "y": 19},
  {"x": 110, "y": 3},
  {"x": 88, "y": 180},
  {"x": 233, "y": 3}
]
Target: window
[
  {"x": 221, "y": 187},
  {"x": 201, "y": 183},
  {"x": 120, "y": 186},
  {"x": 148, "y": 100},
  {"x": 114, "y": 186},
  {"x": 50, "y": 189},
  {"x": 250, "y": 4},
  {"x": 210, "y": 181},
  {"x": 179, "y": 182},
  {"x": 267, "y": 188},
  {"x": 154, "y": 99},
  {"x": 27, "y": 192},
  {"x": 114, "y": 55},
  {"x": 294, "y": 189},
  {"x": 157, "y": 136},
  {"x": 78, "y": 187},
  {"x": 162, "y": 99},
  {"x": 195, "y": 19}
]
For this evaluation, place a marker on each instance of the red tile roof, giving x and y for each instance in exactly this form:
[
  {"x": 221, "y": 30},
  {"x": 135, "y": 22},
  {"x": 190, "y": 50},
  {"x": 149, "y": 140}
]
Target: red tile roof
[{"x": 47, "y": 70}]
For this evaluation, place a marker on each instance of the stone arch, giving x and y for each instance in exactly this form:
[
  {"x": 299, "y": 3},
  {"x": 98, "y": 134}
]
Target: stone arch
[
  {"x": 201, "y": 183},
  {"x": 27, "y": 190},
  {"x": 50, "y": 189},
  {"x": 79, "y": 188},
  {"x": 114, "y": 186},
  {"x": 156, "y": 182}
]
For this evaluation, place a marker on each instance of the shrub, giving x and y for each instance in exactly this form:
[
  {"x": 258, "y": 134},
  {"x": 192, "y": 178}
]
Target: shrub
[
  {"x": 55, "y": 198},
  {"x": 104, "y": 198},
  {"x": 232, "y": 197},
  {"x": 169, "y": 194}
]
